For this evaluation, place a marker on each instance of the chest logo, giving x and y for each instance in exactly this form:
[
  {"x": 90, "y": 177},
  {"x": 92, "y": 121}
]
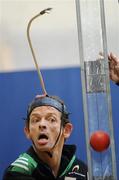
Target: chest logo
[{"x": 75, "y": 168}]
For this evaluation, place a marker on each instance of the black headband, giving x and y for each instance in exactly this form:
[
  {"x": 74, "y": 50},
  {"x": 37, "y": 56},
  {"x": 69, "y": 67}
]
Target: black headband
[{"x": 47, "y": 101}]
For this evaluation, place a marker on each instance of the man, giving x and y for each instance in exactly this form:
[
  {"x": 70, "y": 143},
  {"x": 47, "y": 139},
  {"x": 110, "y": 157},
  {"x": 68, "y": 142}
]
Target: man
[
  {"x": 47, "y": 126},
  {"x": 114, "y": 68}
]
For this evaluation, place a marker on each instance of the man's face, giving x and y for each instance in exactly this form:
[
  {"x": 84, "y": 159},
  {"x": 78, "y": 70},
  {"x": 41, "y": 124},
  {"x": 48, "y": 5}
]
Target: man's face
[{"x": 44, "y": 127}]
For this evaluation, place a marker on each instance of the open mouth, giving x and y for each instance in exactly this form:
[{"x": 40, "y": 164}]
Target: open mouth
[
  {"x": 42, "y": 136},
  {"x": 42, "y": 139}
]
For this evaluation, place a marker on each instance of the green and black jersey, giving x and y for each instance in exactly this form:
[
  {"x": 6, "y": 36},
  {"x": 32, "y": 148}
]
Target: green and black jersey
[{"x": 29, "y": 167}]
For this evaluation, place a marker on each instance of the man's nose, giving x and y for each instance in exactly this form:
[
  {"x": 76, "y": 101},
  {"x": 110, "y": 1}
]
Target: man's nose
[{"x": 42, "y": 124}]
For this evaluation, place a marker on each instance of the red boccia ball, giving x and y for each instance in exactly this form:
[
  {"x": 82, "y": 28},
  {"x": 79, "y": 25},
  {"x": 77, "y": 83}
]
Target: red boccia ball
[{"x": 99, "y": 141}]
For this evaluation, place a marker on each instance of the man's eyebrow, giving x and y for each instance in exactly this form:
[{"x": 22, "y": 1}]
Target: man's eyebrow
[
  {"x": 38, "y": 115},
  {"x": 34, "y": 115}
]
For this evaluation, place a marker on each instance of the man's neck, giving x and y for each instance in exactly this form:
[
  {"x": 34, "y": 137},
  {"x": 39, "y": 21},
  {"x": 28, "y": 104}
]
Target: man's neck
[{"x": 53, "y": 162}]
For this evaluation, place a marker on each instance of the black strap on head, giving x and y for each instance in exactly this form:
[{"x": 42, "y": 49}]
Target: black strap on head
[
  {"x": 47, "y": 101},
  {"x": 61, "y": 124}
]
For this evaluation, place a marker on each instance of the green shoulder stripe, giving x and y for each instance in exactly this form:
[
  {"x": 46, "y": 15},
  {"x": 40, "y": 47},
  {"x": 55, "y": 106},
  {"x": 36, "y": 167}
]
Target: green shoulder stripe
[{"x": 24, "y": 164}]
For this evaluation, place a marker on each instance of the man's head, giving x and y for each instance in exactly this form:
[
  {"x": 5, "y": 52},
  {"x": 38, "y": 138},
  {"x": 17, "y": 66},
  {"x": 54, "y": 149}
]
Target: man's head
[
  {"x": 47, "y": 123},
  {"x": 52, "y": 101}
]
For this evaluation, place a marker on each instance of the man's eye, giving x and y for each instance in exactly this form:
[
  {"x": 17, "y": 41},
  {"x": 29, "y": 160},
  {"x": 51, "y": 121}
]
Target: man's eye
[
  {"x": 51, "y": 119},
  {"x": 35, "y": 120}
]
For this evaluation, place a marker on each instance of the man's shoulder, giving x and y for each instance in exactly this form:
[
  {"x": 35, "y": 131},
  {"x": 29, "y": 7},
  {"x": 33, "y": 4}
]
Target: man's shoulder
[
  {"x": 24, "y": 164},
  {"x": 76, "y": 168},
  {"x": 79, "y": 169}
]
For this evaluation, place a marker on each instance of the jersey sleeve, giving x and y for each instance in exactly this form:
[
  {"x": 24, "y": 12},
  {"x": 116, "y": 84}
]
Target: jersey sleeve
[{"x": 21, "y": 168}]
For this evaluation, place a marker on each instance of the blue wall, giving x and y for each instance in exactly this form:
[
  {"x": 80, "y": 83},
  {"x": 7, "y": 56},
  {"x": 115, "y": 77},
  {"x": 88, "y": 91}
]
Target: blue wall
[{"x": 19, "y": 88}]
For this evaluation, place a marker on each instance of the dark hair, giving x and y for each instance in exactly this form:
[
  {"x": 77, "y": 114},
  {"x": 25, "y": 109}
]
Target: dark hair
[{"x": 52, "y": 101}]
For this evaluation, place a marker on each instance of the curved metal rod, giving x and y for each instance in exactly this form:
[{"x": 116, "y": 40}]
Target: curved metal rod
[{"x": 32, "y": 50}]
